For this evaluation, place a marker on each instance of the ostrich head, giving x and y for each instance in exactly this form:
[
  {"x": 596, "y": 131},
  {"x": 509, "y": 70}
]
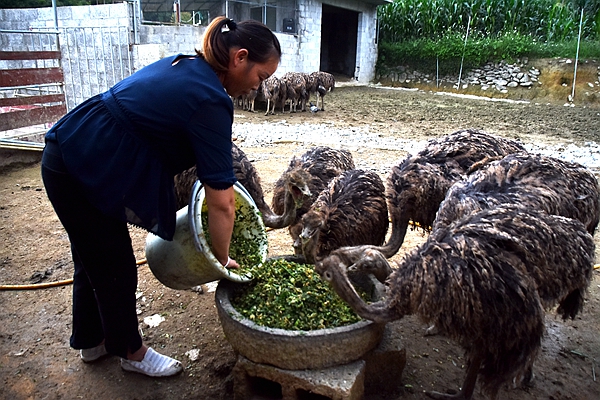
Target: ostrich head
[
  {"x": 371, "y": 261},
  {"x": 297, "y": 184},
  {"x": 334, "y": 270},
  {"x": 312, "y": 224}
]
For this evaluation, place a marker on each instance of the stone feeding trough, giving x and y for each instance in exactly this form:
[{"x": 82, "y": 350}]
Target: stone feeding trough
[{"x": 335, "y": 363}]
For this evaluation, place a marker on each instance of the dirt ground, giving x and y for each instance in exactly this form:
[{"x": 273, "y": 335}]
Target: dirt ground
[{"x": 36, "y": 361}]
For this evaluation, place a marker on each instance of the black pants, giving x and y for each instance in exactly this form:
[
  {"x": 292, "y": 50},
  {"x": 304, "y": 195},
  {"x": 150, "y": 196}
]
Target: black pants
[{"x": 105, "y": 277}]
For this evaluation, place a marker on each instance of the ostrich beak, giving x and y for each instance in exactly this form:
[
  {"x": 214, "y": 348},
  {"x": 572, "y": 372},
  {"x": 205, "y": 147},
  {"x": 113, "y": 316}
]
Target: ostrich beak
[{"x": 300, "y": 192}]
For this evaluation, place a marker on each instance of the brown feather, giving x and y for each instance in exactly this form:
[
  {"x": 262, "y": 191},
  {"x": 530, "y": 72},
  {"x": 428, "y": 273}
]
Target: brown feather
[
  {"x": 315, "y": 168},
  {"x": 350, "y": 211},
  {"x": 417, "y": 186},
  {"x": 479, "y": 282},
  {"x": 542, "y": 183}
]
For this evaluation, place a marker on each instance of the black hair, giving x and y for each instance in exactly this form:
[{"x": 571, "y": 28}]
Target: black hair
[{"x": 223, "y": 34}]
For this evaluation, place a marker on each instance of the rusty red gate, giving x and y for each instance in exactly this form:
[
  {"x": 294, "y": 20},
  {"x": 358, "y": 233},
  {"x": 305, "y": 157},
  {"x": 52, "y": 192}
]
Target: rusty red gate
[{"x": 30, "y": 105}]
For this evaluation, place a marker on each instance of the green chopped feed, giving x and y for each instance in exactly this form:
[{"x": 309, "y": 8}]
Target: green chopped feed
[
  {"x": 247, "y": 239},
  {"x": 292, "y": 296},
  {"x": 282, "y": 294}
]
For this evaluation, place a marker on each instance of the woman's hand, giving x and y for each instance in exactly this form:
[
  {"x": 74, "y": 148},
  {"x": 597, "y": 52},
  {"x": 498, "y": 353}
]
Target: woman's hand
[
  {"x": 231, "y": 264},
  {"x": 221, "y": 215}
]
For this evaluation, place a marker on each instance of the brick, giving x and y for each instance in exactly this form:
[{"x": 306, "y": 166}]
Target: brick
[
  {"x": 344, "y": 382},
  {"x": 386, "y": 362},
  {"x": 378, "y": 372}
]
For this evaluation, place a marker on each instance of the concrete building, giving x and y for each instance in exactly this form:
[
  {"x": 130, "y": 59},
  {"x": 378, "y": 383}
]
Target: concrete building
[
  {"x": 102, "y": 44},
  {"x": 337, "y": 36}
]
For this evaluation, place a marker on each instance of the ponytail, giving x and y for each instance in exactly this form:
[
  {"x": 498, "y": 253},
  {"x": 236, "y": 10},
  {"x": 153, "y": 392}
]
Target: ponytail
[{"x": 223, "y": 34}]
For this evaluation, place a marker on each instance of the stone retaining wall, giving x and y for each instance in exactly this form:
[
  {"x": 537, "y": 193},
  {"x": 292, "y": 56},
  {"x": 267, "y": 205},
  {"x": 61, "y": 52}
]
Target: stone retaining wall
[{"x": 499, "y": 77}]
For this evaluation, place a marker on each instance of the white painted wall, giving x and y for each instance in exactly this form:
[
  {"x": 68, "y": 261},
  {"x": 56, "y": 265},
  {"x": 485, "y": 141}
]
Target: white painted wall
[{"x": 301, "y": 52}]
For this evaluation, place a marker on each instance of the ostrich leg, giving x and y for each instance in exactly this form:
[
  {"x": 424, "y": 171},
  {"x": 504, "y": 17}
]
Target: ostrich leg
[{"x": 468, "y": 387}]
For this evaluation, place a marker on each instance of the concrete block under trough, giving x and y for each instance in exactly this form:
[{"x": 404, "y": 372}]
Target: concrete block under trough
[
  {"x": 378, "y": 372},
  {"x": 385, "y": 363},
  {"x": 259, "y": 381}
]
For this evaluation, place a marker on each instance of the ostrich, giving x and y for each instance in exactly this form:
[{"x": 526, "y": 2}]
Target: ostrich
[
  {"x": 320, "y": 165},
  {"x": 293, "y": 189},
  {"x": 479, "y": 282},
  {"x": 351, "y": 210},
  {"x": 417, "y": 186},
  {"x": 237, "y": 101},
  {"x": 325, "y": 82},
  {"x": 544, "y": 183},
  {"x": 270, "y": 89},
  {"x": 311, "y": 87},
  {"x": 297, "y": 84},
  {"x": 249, "y": 99}
]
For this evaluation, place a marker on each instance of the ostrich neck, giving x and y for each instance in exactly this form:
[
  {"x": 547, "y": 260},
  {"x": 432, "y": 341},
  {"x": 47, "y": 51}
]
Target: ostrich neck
[
  {"x": 275, "y": 221},
  {"x": 378, "y": 312},
  {"x": 399, "y": 227}
]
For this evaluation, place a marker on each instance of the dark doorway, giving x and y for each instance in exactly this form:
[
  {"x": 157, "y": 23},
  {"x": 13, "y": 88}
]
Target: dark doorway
[{"x": 339, "y": 32}]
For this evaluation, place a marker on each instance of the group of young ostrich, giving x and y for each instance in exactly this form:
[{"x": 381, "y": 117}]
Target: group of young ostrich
[
  {"x": 510, "y": 237},
  {"x": 293, "y": 89}
]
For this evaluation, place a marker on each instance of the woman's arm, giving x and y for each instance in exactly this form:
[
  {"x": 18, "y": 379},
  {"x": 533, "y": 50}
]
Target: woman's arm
[{"x": 221, "y": 214}]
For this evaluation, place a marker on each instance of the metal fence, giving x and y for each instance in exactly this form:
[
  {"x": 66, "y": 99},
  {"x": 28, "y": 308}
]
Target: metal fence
[
  {"x": 91, "y": 60},
  {"x": 94, "y": 59}
]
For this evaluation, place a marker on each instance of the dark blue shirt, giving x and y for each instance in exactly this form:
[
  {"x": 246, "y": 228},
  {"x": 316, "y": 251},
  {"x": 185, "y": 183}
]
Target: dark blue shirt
[{"x": 126, "y": 145}]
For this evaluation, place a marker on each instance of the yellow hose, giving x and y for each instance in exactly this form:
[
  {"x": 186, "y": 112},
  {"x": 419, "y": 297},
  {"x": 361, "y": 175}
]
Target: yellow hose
[
  {"x": 36, "y": 285},
  {"x": 50, "y": 284}
]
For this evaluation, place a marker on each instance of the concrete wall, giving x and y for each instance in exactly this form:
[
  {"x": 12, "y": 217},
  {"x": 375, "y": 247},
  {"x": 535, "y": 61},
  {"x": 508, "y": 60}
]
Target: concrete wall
[
  {"x": 308, "y": 49},
  {"x": 301, "y": 51},
  {"x": 366, "y": 52},
  {"x": 154, "y": 41},
  {"x": 172, "y": 39}
]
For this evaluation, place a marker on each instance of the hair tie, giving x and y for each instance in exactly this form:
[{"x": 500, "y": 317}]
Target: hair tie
[{"x": 230, "y": 25}]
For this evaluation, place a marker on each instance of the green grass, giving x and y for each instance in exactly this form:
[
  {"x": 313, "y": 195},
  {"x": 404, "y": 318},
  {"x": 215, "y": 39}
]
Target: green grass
[{"x": 448, "y": 51}]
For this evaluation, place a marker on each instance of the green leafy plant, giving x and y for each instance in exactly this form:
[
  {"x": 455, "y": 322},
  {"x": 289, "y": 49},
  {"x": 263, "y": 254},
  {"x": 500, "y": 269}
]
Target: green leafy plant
[
  {"x": 247, "y": 240},
  {"x": 553, "y": 20},
  {"x": 432, "y": 34},
  {"x": 292, "y": 296}
]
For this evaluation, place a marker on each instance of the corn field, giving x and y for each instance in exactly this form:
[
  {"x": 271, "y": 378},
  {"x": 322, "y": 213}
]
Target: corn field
[{"x": 544, "y": 20}]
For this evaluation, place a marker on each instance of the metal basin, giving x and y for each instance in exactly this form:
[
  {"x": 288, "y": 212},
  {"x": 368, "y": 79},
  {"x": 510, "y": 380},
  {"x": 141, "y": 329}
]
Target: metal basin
[
  {"x": 187, "y": 260},
  {"x": 293, "y": 350}
]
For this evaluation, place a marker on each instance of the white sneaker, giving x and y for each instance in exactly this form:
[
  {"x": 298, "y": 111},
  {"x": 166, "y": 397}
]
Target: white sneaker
[
  {"x": 93, "y": 354},
  {"x": 153, "y": 364}
]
